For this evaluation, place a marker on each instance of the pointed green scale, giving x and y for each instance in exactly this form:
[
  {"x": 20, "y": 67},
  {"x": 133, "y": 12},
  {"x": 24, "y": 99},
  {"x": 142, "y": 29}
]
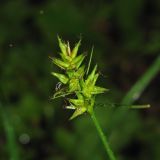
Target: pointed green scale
[
  {"x": 62, "y": 46},
  {"x": 91, "y": 76},
  {"x": 95, "y": 79},
  {"x": 68, "y": 49},
  {"x": 75, "y": 49},
  {"x": 80, "y": 72},
  {"x": 66, "y": 58},
  {"x": 80, "y": 96},
  {"x": 76, "y": 74},
  {"x": 60, "y": 63},
  {"x": 61, "y": 77},
  {"x": 78, "y": 112},
  {"x": 70, "y": 73},
  {"x": 70, "y": 107},
  {"x": 98, "y": 90},
  {"x": 74, "y": 85},
  {"x": 87, "y": 93},
  {"x": 78, "y": 60},
  {"x": 77, "y": 102},
  {"x": 87, "y": 90}
]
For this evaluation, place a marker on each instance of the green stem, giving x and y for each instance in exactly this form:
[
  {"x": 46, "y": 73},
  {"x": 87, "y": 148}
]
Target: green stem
[{"x": 103, "y": 137}]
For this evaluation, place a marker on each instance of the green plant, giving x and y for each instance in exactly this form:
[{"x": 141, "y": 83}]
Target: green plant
[{"x": 78, "y": 83}]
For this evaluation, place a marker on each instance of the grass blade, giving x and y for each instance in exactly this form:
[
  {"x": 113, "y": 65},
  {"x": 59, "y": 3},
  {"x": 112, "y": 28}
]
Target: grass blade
[
  {"x": 10, "y": 135},
  {"x": 138, "y": 88}
]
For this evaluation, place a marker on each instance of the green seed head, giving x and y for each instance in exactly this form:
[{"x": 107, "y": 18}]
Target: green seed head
[{"x": 76, "y": 80}]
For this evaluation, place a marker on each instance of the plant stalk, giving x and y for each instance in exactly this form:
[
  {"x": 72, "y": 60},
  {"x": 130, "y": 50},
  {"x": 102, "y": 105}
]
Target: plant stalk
[{"x": 102, "y": 136}]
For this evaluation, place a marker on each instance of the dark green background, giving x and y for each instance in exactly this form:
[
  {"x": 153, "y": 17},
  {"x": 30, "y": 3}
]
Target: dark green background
[{"x": 126, "y": 39}]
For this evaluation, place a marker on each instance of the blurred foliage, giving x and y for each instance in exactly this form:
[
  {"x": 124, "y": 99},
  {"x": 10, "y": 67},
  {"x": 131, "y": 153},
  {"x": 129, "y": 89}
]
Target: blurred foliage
[{"x": 126, "y": 37}]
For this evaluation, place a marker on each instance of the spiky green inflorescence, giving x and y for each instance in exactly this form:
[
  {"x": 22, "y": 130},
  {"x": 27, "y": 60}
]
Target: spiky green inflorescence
[{"x": 76, "y": 80}]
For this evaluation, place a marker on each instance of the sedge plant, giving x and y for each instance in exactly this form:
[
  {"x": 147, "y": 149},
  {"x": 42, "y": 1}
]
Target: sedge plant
[{"x": 78, "y": 86}]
